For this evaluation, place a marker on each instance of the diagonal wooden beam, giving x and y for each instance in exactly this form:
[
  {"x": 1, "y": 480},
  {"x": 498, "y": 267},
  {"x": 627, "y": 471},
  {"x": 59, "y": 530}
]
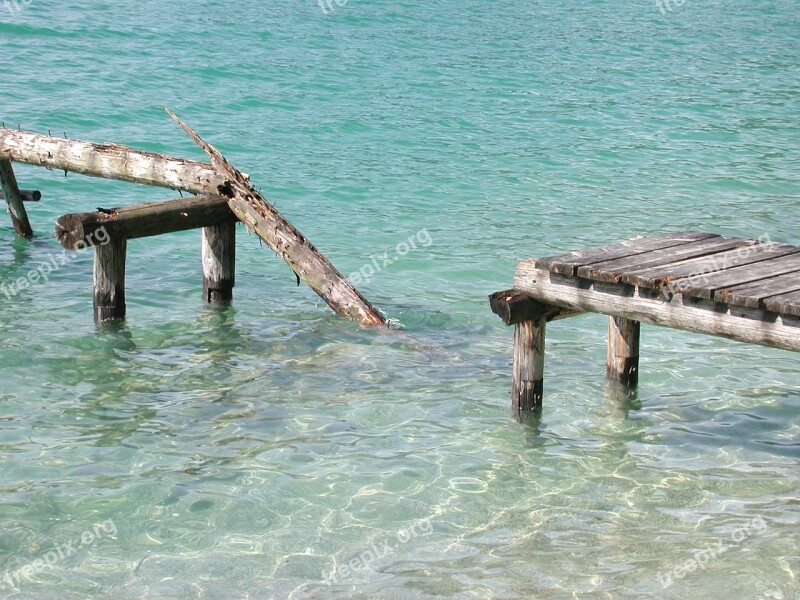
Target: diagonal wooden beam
[{"x": 303, "y": 258}]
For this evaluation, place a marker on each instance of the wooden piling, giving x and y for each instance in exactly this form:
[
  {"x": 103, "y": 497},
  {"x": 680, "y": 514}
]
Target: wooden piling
[
  {"x": 13, "y": 198},
  {"x": 219, "y": 260},
  {"x": 526, "y": 392},
  {"x": 109, "y": 280},
  {"x": 622, "y": 362}
]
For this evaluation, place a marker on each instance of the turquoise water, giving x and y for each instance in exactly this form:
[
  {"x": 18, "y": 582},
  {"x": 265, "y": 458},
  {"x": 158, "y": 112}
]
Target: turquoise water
[{"x": 254, "y": 451}]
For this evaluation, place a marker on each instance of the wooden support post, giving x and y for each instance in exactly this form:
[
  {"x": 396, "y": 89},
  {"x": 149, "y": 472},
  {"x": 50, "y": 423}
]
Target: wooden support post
[
  {"x": 109, "y": 280},
  {"x": 12, "y": 195},
  {"x": 526, "y": 392},
  {"x": 219, "y": 261},
  {"x": 622, "y": 363}
]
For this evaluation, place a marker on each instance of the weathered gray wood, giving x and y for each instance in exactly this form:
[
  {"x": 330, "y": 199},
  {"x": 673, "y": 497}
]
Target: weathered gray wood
[
  {"x": 665, "y": 259},
  {"x": 77, "y": 230},
  {"x": 300, "y": 254},
  {"x": 752, "y": 295},
  {"x": 109, "y": 280},
  {"x": 526, "y": 391},
  {"x": 621, "y": 300},
  {"x": 622, "y": 362},
  {"x": 219, "y": 262},
  {"x": 699, "y": 270},
  {"x": 26, "y": 195},
  {"x": 11, "y": 193},
  {"x": 762, "y": 265},
  {"x": 111, "y": 161},
  {"x": 567, "y": 264},
  {"x": 785, "y": 304},
  {"x": 515, "y": 307}
]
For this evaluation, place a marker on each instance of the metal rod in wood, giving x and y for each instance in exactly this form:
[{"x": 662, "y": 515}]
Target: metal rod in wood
[
  {"x": 526, "y": 391},
  {"x": 219, "y": 262},
  {"x": 109, "y": 280},
  {"x": 26, "y": 195},
  {"x": 14, "y": 200},
  {"x": 78, "y": 230},
  {"x": 622, "y": 363}
]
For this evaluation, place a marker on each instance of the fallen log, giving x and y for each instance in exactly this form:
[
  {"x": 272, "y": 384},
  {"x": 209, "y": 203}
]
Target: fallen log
[
  {"x": 300, "y": 254},
  {"x": 111, "y": 161},
  {"x": 26, "y": 195},
  {"x": 78, "y": 230}
]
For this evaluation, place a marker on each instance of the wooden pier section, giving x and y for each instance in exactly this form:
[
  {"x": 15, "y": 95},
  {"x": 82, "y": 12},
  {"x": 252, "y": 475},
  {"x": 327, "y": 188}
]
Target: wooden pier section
[
  {"x": 738, "y": 288},
  {"x": 224, "y": 197}
]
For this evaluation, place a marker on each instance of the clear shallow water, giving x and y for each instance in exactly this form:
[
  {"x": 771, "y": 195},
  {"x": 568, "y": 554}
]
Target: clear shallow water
[{"x": 248, "y": 452}]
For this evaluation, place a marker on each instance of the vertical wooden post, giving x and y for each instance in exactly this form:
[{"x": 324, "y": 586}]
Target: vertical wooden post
[
  {"x": 219, "y": 262},
  {"x": 622, "y": 362},
  {"x": 109, "y": 280},
  {"x": 12, "y": 194},
  {"x": 526, "y": 393}
]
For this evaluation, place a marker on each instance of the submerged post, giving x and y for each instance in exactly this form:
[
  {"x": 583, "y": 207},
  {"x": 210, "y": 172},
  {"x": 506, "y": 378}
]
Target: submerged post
[
  {"x": 529, "y": 318},
  {"x": 622, "y": 363},
  {"x": 109, "y": 280},
  {"x": 526, "y": 391},
  {"x": 219, "y": 262},
  {"x": 14, "y": 199}
]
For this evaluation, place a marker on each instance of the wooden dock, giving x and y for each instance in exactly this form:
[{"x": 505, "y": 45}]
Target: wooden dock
[{"x": 742, "y": 289}]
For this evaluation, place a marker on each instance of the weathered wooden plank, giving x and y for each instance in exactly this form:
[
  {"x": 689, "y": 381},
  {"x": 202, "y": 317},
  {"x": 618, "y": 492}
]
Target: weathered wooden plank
[
  {"x": 622, "y": 360},
  {"x": 751, "y": 295},
  {"x": 19, "y": 217},
  {"x": 785, "y": 304},
  {"x": 514, "y": 307},
  {"x": 77, "y": 230},
  {"x": 674, "y": 257},
  {"x": 567, "y": 264},
  {"x": 26, "y": 195},
  {"x": 752, "y": 325},
  {"x": 111, "y": 161},
  {"x": 305, "y": 260},
  {"x": 528, "y": 384},
  {"x": 654, "y": 276},
  {"x": 763, "y": 265}
]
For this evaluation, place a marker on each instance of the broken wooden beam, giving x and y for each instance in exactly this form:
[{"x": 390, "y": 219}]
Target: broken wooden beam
[
  {"x": 77, "y": 230},
  {"x": 303, "y": 258},
  {"x": 26, "y": 195},
  {"x": 11, "y": 193},
  {"x": 513, "y": 307},
  {"x": 111, "y": 161}
]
